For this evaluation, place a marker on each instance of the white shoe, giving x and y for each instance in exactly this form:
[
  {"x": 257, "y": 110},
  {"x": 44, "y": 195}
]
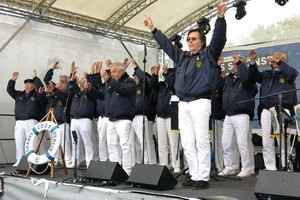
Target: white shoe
[
  {"x": 252, "y": 171},
  {"x": 71, "y": 165},
  {"x": 176, "y": 170},
  {"x": 16, "y": 164},
  {"x": 226, "y": 172},
  {"x": 244, "y": 173}
]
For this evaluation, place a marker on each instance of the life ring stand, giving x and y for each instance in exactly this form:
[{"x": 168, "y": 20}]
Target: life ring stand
[{"x": 54, "y": 130}]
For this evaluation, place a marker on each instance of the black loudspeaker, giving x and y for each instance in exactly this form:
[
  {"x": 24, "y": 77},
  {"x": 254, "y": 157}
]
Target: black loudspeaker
[
  {"x": 277, "y": 185},
  {"x": 40, "y": 169},
  {"x": 155, "y": 177},
  {"x": 111, "y": 171}
]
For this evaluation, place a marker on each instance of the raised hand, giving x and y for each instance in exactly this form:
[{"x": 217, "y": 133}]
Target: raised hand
[
  {"x": 15, "y": 76},
  {"x": 41, "y": 90},
  {"x": 73, "y": 68},
  {"x": 148, "y": 22},
  {"x": 55, "y": 65},
  {"x": 108, "y": 63},
  {"x": 33, "y": 75},
  {"x": 221, "y": 9},
  {"x": 252, "y": 55}
]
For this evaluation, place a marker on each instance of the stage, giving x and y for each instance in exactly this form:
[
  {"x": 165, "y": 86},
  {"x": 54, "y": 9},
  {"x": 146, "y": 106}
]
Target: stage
[{"x": 18, "y": 186}]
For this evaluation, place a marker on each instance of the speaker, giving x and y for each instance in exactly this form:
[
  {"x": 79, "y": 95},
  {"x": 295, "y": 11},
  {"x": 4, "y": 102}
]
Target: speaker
[
  {"x": 22, "y": 168},
  {"x": 277, "y": 185},
  {"x": 155, "y": 177},
  {"x": 111, "y": 171}
]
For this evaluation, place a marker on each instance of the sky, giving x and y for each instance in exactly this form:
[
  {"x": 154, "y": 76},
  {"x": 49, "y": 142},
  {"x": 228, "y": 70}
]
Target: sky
[{"x": 259, "y": 12}]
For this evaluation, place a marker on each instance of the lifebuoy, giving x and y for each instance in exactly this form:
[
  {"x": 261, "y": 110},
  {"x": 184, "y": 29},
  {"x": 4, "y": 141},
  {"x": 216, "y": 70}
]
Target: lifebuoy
[{"x": 56, "y": 140}]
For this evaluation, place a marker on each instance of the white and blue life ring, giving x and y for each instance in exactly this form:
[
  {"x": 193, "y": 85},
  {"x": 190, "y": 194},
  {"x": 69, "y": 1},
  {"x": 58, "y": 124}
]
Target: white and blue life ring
[{"x": 54, "y": 130}]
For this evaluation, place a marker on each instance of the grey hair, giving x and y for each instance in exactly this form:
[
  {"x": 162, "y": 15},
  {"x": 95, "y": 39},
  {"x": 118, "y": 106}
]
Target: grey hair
[{"x": 120, "y": 66}]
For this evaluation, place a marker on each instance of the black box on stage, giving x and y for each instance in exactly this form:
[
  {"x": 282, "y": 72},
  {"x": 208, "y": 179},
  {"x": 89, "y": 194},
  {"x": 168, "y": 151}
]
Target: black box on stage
[
  {"x": 279, "y": 185},
  {"x": 111, "y": 171},
  {"x": 155, "y": 177},
  {"x": 40, "y": 169}
]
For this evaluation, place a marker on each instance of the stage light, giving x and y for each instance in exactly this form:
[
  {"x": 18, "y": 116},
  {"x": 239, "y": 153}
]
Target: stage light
[
  {"x": 203, "y": 24},
  {"x": 240, "y": 9},
  {"x": 281, "y": 2},
  {"x": 176, "y": 39}
]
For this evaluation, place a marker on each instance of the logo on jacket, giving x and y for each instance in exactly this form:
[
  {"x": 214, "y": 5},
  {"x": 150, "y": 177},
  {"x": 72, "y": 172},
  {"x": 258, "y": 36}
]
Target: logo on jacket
[
  {"x": 281, "y": 80},
  {"x": 198, "y": 62},
  {"x": 32, "y": 98},
  {"x": 138, "y": 92},
  {"x": 85, "y": 96},
  {"x": 240, "y": 85},
  {"x": 59, "y": 102}
]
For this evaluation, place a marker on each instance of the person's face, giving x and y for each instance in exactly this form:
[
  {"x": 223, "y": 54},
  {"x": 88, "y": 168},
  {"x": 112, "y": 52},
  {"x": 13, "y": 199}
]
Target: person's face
[
  {"x": 29, "y": 87},
  {"x": 63, "y": 80},
  {"x": 81, "y": 83},
  {"x": 277, "y": 56},
  {"x": 194, "y": 42},
  {"x": 115, "y": 73},
  {"x": 235, "y": 69}
]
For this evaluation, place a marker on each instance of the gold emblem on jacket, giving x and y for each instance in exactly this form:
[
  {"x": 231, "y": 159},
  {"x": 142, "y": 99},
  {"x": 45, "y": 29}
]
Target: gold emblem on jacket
[
  {"x": 198, "y": 62},
  {"x": 281, "y": 80}
]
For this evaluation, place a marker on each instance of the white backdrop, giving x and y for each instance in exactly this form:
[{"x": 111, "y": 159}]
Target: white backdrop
[{"x": 40, "y": 45}]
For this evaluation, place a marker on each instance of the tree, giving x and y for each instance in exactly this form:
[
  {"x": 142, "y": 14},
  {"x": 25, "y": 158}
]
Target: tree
[{"x": 287, "y": 28}]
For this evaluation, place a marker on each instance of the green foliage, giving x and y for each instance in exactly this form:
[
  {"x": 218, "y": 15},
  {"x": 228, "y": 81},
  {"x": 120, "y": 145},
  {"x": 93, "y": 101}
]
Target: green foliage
[{"x": 287, "y": 28}]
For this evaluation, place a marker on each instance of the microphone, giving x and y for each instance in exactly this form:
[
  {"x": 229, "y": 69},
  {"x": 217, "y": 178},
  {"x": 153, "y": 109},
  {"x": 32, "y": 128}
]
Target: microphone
[
  {"x": 71, "y": 87},
  {"x": 74, "y": 136},
  {"x": 145, "y": 49}
]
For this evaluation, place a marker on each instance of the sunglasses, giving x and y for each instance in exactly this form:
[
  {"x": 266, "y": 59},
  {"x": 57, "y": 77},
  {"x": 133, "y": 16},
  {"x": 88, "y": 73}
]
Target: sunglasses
[{"x": 191, "y": 38}]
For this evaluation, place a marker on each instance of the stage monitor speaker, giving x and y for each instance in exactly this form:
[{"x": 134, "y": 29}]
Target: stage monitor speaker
[
  {"x": 110, "y": 171},
  {"x": 155, "y": 177},
  {"x": 277, "y": 185},
  {"x": 40, "y": 169}
]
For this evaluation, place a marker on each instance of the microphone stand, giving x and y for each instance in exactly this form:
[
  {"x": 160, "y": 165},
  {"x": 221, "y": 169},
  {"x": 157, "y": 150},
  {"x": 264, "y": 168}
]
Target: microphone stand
[
  {"x": 75, "y": 165},
  {"x": 279, "y": 94},
  {"x": 65, "y": 120},
  {"x": 144, "y": 61},
  {"x": 144, "y": 82}
]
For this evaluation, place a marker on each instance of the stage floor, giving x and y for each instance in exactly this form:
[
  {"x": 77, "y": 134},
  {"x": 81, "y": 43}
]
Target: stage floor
[{"x": 18, "y": 186}]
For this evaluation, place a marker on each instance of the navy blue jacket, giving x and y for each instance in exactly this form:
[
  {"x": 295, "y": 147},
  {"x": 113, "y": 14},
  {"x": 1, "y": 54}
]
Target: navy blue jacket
[
  {"x": 119, "y": 98},
  {"x": 194, "y": 72},
  {"x": 239, "y": 89},
  {"x": 83, "y": 104},
  {"x": 164, "y": 92},
  {"x": 122, "y": 98},
  {"x": 57, "y": 100},
  {"x": 274, "y": 82},
  {"x": 32, "y": 107},
  {"x": 139, "y": 100}
]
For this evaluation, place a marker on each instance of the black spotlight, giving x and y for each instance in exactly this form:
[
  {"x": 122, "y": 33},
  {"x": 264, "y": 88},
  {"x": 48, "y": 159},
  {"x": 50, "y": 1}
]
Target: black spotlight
[
  {"x": 203, "y": 24},
  {"x": 281, "y": 2},
  {"x": 176, "y": 39},
  {"x": 240, "y": 9}
]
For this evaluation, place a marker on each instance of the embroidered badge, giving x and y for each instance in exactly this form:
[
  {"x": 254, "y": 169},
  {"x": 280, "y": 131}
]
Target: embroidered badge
[
  {"x": 60, "y": 103},
  {"x": 138, "y": 92},
  {"x": 198, "y": 62},
  {"x": 281, "y": 80},
  {"x": 32, "y": 98}
]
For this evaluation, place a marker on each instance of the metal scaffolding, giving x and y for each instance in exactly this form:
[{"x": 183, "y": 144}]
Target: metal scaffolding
[{"x": 113, "y": 27}]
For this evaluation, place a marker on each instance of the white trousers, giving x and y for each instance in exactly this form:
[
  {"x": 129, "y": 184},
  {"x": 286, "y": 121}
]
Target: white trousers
[
  {"x": 66, "y": 143},
  {"x": 268, "y": 142},
  {"x": 96, "y": 139},
  {"x": 119, "y": 135},
  {"x": 194, "y": 134},
  {"x": 102, "y": 135},
  {"x": 238, "y": 126},
  {"x": 22, "y": 130},
  {"x": 139, "y": 138},
  {"x": 85, "y": 149},
  {"x": 164, "y": 135}
]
